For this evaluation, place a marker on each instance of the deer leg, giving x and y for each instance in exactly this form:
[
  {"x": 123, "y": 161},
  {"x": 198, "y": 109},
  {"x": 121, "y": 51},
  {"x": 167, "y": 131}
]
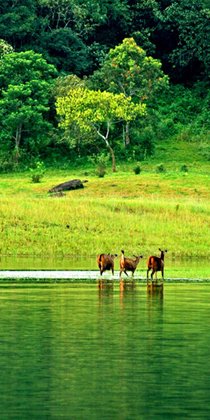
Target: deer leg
[{"x": 148, "y": 273}]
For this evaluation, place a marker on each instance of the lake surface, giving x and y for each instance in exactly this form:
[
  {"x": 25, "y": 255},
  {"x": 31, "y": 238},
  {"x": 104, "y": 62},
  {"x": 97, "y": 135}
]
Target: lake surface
[{"x": 77, "y": 351}]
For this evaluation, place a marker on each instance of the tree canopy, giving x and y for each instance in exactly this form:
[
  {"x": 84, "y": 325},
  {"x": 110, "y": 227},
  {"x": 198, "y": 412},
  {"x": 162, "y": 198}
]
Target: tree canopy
[
  {"x": 97, "y": 111},
  {"x": 129, "y": 70},
  {"x": 75, "y": 35}
]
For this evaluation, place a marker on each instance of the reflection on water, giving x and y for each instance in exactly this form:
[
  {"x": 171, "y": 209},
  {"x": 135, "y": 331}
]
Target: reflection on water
[
  {"x": 125, "y": 285},
  {"x": 110, "y": 350},
  {"x": 105, "y": 284}
]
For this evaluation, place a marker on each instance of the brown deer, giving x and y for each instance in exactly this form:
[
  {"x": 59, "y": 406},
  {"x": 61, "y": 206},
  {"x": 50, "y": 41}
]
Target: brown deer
[
  {"x": 128, "y": 264},
  {"x": 106, "y": 262},
  {"x": 156, "y": 264}
]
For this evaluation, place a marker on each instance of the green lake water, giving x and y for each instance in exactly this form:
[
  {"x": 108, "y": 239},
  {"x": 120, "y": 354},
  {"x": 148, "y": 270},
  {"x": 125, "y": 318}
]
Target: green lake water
[{"x": 75, "y": 351}]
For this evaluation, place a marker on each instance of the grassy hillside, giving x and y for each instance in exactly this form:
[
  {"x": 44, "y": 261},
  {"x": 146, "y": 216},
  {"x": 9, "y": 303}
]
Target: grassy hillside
[{"x": 139, "y": 213}]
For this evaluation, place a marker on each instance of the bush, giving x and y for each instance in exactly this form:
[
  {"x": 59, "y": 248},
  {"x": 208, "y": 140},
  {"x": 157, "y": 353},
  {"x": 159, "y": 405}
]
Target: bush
[
  {"x": 184, "y": 168},
  {"x": 6, "y": 165},
  {"x": 143, "y": 140},
  {"x": 160, "y": 168},
  {"x": 101, "y": 170},
  {"x": 37, "y": 172},
  {"x": 101, "y": 162},
  {"x": 137, "y": 170}
]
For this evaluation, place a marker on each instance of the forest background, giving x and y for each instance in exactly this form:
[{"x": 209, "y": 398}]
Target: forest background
[{"x": 52, "y": 47}]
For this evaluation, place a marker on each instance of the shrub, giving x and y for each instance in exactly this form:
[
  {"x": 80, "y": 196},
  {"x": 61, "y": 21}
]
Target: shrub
[
  {"x": 100, "y": 170},
  {"x": 160, "y": 168},
  {"x": 137, "y": 170},
  {"x": 37, "y": 172},
  {"x": 184, "y": 168},
  {"x": 6, "y": 165},
  {"x": 101, "y": 162},
  {"x": 143, "y": 141}
]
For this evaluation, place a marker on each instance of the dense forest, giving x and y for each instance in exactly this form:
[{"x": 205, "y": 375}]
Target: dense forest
[{"x": 96, "y": 78}]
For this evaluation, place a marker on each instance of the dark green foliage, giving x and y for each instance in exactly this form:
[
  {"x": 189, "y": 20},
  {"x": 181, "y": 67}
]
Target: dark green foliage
[
  {"x": 64, "y": 48},
  {"x": 74, "y": 34},
  {"x": 160, "y": 168},
  {"x": 143, "y": 139},
  {"x": 184, "y": 168},
  {"x": 76, "y": 37},
  {"x": 26, "y": 82},
  {"x": 18, "y": 22},
  {"x": 137, "y": 169},
  {"x": 185, "y": 113},
  {"x": 178, "y": 33},
  {"x": 190, "y": 55}
]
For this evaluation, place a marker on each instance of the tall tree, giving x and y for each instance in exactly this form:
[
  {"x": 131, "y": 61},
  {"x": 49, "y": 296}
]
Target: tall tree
[
  {"x": 25, "y": 83},
  {"x": 128, "y": 70}
]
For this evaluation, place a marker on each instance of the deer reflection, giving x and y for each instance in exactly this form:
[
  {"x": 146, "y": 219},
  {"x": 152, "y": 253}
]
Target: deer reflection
[
  {"x": 127, "y": 285},
  {"x": 155, "y": 302},
  {"x": 127, "y": 290},
  {"x": 105, "y": 287},
  {"x": 155, "y": 289}
]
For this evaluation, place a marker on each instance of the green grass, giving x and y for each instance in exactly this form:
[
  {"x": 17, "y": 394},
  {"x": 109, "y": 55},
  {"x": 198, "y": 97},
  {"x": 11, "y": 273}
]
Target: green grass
[{"x": 139, "y": 213}]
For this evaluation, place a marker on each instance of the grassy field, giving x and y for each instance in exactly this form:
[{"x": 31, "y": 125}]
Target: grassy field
[{"x": 139, "y": 213}]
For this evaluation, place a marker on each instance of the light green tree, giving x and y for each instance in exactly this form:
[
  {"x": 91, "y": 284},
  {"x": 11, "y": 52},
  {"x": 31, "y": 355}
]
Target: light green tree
[
  {"x": 5, "y": 48},
  {"x": 97, "y": 111}
]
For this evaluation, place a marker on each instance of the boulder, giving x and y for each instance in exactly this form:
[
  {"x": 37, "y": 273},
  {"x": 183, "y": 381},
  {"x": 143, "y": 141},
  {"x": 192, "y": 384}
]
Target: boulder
[{"x": 73, "y": 184}]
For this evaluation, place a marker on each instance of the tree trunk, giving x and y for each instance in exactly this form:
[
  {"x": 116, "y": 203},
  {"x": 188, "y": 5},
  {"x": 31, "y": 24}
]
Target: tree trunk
[
  {"x": 127, "y": 137},
  {"x": 17, "y": 142},
  {"x": 109, "y": 147},
  {"x": 113, "y": 159}
]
